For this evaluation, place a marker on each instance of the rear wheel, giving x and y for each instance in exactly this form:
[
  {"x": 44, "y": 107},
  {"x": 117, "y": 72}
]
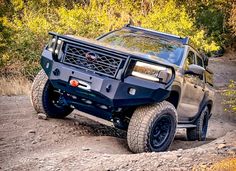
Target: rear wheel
[
  {"x": 199, "y": 133},
  {"x": 46, "y": 99},
  {"x": 152, "y": 128}
]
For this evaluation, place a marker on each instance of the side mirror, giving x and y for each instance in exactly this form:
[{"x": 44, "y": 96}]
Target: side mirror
[{"x": 195, "y": 69}]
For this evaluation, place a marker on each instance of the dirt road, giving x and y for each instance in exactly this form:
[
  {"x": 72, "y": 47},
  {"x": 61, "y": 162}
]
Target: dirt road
[{"x": 82, "y": 143}]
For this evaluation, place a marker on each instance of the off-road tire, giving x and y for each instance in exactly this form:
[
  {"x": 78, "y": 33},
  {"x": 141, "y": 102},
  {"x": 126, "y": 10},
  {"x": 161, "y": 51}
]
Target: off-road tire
[
  {"x": 40, "y": 98},
  {"x": 142, "y": 124},
  {"x": 199, "y": 133}
]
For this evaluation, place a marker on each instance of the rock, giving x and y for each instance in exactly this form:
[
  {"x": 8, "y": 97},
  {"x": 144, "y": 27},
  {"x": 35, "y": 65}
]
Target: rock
[
  {"x": 106, "y": 155},
  {"x": 200, "y": 151},
  {"x": 42, "y": 116},
  {"x": 32, "y": 131},
  {"x": 40, "y": 139},
  {"x": 76, "y": 123},
  {"x": 171, "y": 157},
  {"x": 179, "y": 169},
  {"x": 232, "y": 150},
  {"x": 179, "y": 155},
  {"x": 220, "y": 146},
  {"x": 34, "y": 142},
  {"x": 186, "y": 159},
  {"x": 85, "y": 149}
]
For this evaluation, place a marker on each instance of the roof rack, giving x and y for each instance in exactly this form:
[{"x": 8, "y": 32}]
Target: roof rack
[{"x": 161, "y": 34}]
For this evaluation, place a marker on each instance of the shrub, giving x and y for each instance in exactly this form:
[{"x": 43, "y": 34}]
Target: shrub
[
  {"x": 230, "y": 97},
  {"x": 24, "y": 25}
]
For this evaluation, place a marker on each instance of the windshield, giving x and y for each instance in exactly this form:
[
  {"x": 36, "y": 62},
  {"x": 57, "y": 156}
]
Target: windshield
[{"x": 145, "y": 43}]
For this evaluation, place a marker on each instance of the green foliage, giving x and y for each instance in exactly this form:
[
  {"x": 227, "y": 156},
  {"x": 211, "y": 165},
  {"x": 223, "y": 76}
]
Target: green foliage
[
  {"x": 215, "y": 17},
  {"x": 230, "y": 97},
  {"x": 24, "y": 25}
]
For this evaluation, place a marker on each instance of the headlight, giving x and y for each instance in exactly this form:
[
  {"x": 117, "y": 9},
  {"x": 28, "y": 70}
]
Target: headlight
[
  {"x": 51, "y": 44},
  {"x": 55, "y": 45},
  {"x": 58, "y": 48},
  {"x": 152, "y": 72}
]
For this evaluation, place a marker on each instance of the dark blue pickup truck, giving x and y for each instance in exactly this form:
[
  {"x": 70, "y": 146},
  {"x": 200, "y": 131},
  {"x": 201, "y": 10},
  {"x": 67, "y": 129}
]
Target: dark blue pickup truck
[{"x": 146, "y": 82}]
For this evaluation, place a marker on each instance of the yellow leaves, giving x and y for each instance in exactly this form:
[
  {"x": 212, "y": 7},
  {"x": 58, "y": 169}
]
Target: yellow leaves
[
  {"x": 18, "y": 24},
  {"x": 18, "y": 4},
  {"x": 28, "y": 27},
  {"x": 69, "y": 20},
  {"x": 232, "y": 84},
  {"x": 200, "y": 40},
  {"x": 32, "y": 21},
  {"x": 101, "y": 16},
  {"x": 38, "y": 25},
  {"x": 5, "y": 22},
  {"x": 168, "y": 18},
  {"x": 228, "y": 164},
  {"x": 89, "y": 21},
  {"x": 5, "y": 57},
  {"x": 230, "y": 97}
]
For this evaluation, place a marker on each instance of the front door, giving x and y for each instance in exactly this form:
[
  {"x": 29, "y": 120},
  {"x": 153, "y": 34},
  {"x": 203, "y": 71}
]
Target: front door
[{"x": 192, "y": 92}]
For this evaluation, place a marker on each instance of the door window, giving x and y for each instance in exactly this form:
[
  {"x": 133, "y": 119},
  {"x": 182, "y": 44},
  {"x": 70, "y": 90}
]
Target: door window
[
  {"x": 199, "y": 61},
  {"x": 189, "y": 60}
]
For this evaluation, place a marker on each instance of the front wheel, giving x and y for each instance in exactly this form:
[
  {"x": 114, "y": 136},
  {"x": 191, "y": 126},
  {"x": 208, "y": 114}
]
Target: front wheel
[
  {"x": 46, "y": 99},
  {"x": 152, "y": 128}
]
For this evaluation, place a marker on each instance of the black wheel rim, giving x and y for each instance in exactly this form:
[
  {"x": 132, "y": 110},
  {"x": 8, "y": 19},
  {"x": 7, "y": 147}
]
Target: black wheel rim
[
  {"x": 160, "y": 131},
  {"x": 55, "y": 98}
]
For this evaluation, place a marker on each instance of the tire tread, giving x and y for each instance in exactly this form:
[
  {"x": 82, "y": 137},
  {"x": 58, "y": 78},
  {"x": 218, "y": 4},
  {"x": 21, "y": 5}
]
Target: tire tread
[{"x": 140, "y": 123}]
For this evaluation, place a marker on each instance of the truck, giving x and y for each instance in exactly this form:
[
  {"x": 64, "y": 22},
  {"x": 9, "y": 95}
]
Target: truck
[{"x": 145, "y": 82}]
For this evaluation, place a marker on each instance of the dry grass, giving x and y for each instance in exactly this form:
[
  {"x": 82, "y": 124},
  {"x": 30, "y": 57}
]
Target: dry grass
[
  {"x": 227, "y": 164},
  {"x": 14, "y": 86}
]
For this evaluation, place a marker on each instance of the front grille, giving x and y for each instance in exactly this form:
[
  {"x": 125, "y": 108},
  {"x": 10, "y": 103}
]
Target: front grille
[{"x": 106, "y": 63}]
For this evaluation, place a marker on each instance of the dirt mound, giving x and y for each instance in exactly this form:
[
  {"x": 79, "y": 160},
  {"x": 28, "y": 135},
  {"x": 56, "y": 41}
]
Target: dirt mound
[{"x": 72, "y": 159}]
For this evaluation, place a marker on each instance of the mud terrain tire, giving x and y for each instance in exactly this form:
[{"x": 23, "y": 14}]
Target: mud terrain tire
[
  {"x": 199, "y": 133},
  {"x": 152, "y": 128},
  {"x": 43, "y": 95}
]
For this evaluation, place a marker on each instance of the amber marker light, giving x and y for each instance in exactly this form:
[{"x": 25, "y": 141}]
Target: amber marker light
[{"x": 74, "y": 83}]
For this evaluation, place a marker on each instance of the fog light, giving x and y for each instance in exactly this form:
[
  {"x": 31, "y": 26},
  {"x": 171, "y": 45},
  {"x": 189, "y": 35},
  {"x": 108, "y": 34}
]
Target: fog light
[
  {"x": 132, "y": 91},
  {"x": 56, "y": 72},
  {"x": 74, "y": 83}
]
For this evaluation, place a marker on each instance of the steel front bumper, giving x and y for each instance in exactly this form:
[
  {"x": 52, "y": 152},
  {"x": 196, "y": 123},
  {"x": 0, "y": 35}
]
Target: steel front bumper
[{"x": 130, "y": 91}]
